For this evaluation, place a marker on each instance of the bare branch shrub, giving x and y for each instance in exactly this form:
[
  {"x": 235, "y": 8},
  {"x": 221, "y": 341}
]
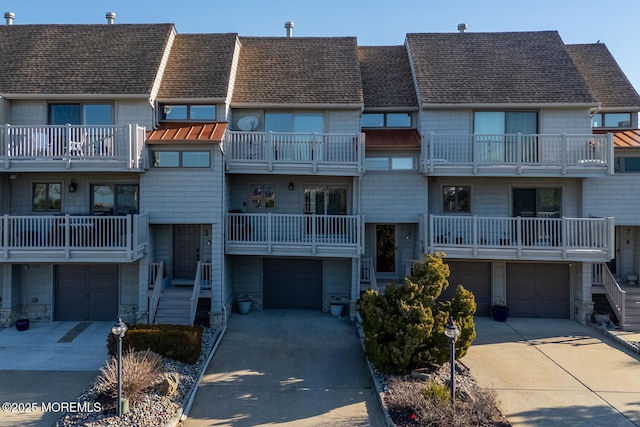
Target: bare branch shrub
[{"x": 140, "y": 370}]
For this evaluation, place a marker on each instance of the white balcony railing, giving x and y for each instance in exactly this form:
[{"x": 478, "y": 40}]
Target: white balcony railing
[
  {"x": 521, "y": 152},
  {"x": 293, "y": 232},
  {"x": 62, "y": 234},
  {"x": 72, "y": 143},
  {"x": 286, "y": 148},
  {"x": 556, "y": 235}
]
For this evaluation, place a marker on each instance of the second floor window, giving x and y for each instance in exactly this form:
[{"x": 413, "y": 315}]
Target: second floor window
[
  {"x": 505, "y": 122},
  {"x": 386, "y": 120},
  {"x": 47, "y": 197},
  {"x": 611, "y": 120},
  {"x": 186, "y": 112},
  {"x": 181, "y": 159},
  {"x": 263, "y": 196},
  {"x": 91, "y": 114},
  {"x": 301, "y": 122},
  {"x": 114, "y": 199},
  {"x": 456, "y": 199}
]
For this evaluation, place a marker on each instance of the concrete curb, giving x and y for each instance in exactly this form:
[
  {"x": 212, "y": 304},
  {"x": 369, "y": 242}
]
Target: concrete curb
[
  {"x": 374, "y": 378},
  {"x": 615, "y": 338}
]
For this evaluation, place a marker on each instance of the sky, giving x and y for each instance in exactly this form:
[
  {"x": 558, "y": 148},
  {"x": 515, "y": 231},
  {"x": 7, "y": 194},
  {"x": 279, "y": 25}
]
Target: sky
[{"x": 373, "y": 22}]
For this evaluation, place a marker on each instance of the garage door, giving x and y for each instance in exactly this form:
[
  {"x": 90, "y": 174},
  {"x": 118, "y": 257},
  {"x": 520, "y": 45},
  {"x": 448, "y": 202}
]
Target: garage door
[
  {"x": 86, "y": 292},
  {"x": 292, "y": 284},
  {"x": 538, "y": 290},
  {"x": 475, "y": 277}
]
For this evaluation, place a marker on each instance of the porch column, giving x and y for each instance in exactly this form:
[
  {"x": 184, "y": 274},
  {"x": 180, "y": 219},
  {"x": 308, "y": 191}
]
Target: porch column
[
  {"x": 583, "y": 304},
  {"x": 9, "y": 305},
  {"x": 355, "y": 287}
]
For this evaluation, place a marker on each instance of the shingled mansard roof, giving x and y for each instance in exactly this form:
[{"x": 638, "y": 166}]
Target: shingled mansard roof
[
  {"x": 604, "y": 76},
  {"x": 496, "y": 68},
  {"x": 298, "y": 71},
  {"x": 104, "y": 59},
  {"x": 386, "y": 77},
  {"x": 199, "y": 66}
]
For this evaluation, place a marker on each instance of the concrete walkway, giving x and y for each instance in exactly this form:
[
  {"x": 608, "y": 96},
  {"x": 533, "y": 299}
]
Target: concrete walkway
[
  {"x": 39, "y": 370},
  {"x": 287, "y": 367},
  {"x": 549, "y": 372}
]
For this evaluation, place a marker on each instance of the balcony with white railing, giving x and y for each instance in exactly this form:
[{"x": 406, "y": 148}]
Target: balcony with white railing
[
  {"x": 338, "y": 154},
  {"x": 71, "y": 238},
  {"x": 548, "y": 239},
  {"x": 512, "y": 155},
  {"x": 293, "y": 235},
  {"x": 82, "y": 148}
]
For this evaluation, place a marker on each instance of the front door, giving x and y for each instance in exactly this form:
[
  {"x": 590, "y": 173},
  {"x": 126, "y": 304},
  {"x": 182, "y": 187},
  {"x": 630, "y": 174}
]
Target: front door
[
  {"x": 186, "y": 250},
  {"x": 386, "y": 249}
]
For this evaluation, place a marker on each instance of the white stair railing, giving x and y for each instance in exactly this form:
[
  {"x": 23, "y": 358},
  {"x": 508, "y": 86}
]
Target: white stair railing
[
  {"x": 196, "y": 294},
  {"x": 156, "y": 269},
  {"x": 367, "y": 273},
  {"x": 615, "y": 294}
]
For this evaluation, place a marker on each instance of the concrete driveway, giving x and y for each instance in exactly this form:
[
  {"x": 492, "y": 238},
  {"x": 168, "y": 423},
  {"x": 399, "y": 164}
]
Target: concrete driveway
[
  {"x": 287, "y": 367},
  {"x": 552, "y": 372},
  {"x": 48, "y": 364}
]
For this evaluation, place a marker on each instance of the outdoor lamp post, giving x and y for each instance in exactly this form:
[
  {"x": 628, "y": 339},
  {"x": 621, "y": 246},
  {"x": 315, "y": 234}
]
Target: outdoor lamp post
[
  {"x": 452, "y": 332},
  {"x": 119, "y": 329}
]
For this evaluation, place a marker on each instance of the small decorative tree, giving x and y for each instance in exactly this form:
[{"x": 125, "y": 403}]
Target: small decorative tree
[{"x": 404, "y": 327}]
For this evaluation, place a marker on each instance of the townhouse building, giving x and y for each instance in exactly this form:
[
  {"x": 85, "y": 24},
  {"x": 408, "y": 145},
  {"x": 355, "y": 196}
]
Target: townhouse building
[{"x": 148, "y": 174}]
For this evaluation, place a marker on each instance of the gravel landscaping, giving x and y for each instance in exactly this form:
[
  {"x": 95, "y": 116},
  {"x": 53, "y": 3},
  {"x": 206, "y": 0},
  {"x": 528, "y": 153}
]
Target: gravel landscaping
[{"x": 153, "y": 409}]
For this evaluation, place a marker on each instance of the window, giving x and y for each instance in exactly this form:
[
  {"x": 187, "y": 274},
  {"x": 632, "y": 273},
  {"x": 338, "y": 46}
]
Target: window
[
  {"x": 611, "y": 120},
  {"x": 386, "y": 120},
  {"x": 181, "y": 159},
  {"x": 47, "y": 197},
  {"x": 294, "y": 122},
  {"x": 188, "y": 112},
  {"x": 509, "y": 122},
  {"x": 627, "y": 164},
  {"x": 263, "y": 196},
  {"x": 81, "y": 114},
  {"x": 399, "y": 163},
  {"x": 322, "y": 200},
  {"x": 537, "y": 202},
  {"x": 114, "y": 199},
  {"x": 456, "y": 199}
]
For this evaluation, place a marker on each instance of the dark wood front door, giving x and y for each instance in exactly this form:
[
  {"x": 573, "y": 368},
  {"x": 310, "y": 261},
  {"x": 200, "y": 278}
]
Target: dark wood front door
[{"x": 186, "y": 250}]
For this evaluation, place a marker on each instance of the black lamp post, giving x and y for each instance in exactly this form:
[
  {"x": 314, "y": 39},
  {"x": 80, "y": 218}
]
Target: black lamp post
[
  {"x": 452, "y": 332},
  {"x": 119, "y": 329}
]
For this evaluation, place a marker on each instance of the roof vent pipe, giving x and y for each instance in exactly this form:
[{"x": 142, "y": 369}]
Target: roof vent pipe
[
  {"x": 9, "y": 17},
  {"x": 462, "y": 28},
  {"x": 111, "y": 18},
  {"x": 289, "y": 27}
]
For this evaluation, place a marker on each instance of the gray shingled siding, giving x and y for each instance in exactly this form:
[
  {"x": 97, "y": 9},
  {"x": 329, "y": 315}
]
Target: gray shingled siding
[{"x": 393, "y": 197}]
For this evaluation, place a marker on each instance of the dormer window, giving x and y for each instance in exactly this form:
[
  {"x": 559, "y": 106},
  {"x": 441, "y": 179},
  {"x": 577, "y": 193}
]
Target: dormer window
[
  {"x": 385, "y": 120},
  {"x": 188, "y": 112},
  {"x": 611, "y": 120}
]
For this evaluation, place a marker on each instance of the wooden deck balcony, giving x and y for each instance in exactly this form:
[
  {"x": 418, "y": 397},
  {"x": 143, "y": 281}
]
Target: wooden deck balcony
[
  {"x": 70, "y": 238},
  {"x": 293, "y": 235},
  {"x": 548, "y": 239},
  {"x": 337, "y": 154},
  {"x": 82, "y": 148},
  {"x": 518, "y": 155}
]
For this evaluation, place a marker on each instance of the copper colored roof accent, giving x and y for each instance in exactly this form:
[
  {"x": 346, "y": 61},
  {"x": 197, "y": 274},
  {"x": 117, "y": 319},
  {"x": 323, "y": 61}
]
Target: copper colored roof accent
[
  {"x": 187, "y": 132},
  {"x": 392, "y": 139},
  {"x": 627, "y": 139}
]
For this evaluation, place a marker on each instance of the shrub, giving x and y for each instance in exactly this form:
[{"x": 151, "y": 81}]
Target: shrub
[
  {"x": 140, "y": 370},
  {"x": 437, "y": 391},
  {"x": 179, "y": 342},
  {"x": 404, "y": 327}
]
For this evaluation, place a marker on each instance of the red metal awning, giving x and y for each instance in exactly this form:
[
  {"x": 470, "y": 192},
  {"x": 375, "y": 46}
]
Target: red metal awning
[
  {"x": 172, "y": 132},
  {"x": 392, "y": 139}
]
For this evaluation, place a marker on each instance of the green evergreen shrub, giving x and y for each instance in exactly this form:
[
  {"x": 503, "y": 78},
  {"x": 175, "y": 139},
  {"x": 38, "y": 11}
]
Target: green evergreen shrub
[
  {"x": 179, "y": 342},
  {"x": 404, "y": 327}
]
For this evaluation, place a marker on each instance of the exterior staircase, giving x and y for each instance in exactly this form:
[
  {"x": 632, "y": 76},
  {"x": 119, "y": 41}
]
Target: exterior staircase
[
  {"x": 632, "y": 309},
  {"x": 174, "y": 306}
]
